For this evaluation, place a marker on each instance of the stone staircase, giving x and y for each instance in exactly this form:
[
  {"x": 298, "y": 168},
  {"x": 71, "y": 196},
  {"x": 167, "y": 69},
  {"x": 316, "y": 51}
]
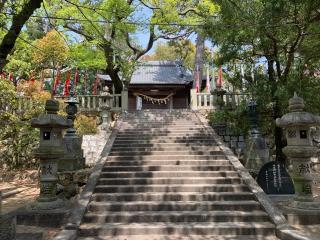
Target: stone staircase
[{"x": 166, "y": 178}]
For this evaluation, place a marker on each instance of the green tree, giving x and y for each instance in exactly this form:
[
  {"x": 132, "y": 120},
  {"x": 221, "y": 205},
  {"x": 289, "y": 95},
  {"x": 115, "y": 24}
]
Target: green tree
[
  {"x": 87, "y": 56},
  {"x": 20, "y": 61},
  {"x": 52, "y": 50},
  {"x": 109, "y": 23},
  {"x": 176, "y": 50},
  {"x": 14, "y": 27},
  {"x": 17, "y": 138},
  {"x": 271, "y": 31}
]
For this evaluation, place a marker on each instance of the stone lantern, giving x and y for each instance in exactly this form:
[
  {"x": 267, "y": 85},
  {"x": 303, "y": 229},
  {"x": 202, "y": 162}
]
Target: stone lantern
[
  {"x": 73, "y": 158},
  {"x": 105, "y": 107},
  {"x": 50, "y": 150},
  {"x": 299, "y": 150},
  {"x": 256, "y": 152}
]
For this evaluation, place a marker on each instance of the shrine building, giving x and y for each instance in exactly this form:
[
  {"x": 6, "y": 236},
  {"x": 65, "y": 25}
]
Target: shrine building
[{"x": 158, "y": 85}]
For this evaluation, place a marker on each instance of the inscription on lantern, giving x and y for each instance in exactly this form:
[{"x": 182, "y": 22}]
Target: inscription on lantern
[{"x": 304, "y": 169}]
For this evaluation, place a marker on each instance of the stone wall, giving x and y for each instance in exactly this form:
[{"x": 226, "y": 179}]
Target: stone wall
[
  {"x": 234, "y": 141},
  {"x": 93, "y": 145}
]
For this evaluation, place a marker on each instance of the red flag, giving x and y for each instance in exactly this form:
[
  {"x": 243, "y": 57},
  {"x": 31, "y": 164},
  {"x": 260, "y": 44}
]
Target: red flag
[
  {"x": 76, "y": 77},
  {"x": 11, "y": 77},
  {"x": 56, "y": 82},
  {"x": 66, "y": 89},
  {"x": 3, "y": 75},
  {"x": 197, "y": 80},
  {"x": 95, "y": 86},
  {"x": 31, "y": 78},
  {"x": 41, "y": 80},
  {"x": 208, "y": 80},
  {"x": 219, "y": 83}
]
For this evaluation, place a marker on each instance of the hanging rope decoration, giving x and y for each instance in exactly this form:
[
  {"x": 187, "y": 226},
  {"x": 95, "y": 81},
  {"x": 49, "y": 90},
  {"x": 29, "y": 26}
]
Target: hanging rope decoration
[{"x": 154, "y": 100}]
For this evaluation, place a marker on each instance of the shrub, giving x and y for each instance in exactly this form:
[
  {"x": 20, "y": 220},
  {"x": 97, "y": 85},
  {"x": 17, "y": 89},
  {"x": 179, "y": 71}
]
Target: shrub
[
  {"x": 85, "y": 125},
  {"x": 236, "y": 120},
  {"x": 17, "y": 138}
]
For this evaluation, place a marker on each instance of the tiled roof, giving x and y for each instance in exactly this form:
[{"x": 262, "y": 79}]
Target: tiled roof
[{"x": 158, "y": 72}]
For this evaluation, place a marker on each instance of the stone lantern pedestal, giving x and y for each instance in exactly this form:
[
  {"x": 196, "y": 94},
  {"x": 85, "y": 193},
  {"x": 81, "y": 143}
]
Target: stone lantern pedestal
[
  {"x": 299, "y": 151},
  {"x": 49, "y": 153}
]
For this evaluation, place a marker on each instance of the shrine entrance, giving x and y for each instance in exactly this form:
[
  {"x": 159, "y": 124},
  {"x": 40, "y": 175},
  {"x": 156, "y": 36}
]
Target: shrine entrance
[{"x": 151, "y": 101}]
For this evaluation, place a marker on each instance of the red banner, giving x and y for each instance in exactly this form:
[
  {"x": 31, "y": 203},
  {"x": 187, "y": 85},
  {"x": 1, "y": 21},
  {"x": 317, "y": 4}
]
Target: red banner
[
  {"x": 56, "y": 82},
  {"x": 66, "y": 89},
  {"x": 219, "y": 83}
]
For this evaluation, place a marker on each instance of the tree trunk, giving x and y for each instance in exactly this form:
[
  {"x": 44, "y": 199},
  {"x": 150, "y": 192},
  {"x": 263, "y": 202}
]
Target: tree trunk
[
  {"x": 278, "y": 134},
  {"x": 116, "y": 81},
  {"x": 18, "y": 22},
  {"x": 199, "y": 57}
]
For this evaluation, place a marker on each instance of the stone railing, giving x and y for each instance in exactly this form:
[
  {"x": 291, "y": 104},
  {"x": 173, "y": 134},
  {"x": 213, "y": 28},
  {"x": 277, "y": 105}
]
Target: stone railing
[
  {"x": 87, "y": 103},
  {"x": 207, "y": 101}
]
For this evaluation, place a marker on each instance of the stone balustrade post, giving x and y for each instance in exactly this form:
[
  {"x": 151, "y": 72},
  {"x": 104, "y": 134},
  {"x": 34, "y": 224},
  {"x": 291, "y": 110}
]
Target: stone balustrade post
[
  {"x": 124, "y": 100},
  {"x": 193, "y": 99}
]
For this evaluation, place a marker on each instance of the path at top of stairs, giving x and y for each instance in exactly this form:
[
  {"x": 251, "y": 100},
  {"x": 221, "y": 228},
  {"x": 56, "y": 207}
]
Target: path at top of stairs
[{"x": 166, "y": 178}]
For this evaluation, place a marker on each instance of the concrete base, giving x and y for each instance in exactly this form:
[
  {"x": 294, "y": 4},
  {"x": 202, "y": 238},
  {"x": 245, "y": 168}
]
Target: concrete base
[
  {"x": 42, "y": 218},
  {"x": 297, "y": 215},
  {"x": 7, "y": 226},
  {"x": 47, "y": 206}
]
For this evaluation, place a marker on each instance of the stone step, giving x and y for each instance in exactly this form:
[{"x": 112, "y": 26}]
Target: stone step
[
  {"x": 166, "y": 137},
  {"x": 164, "y": 132},
  {"x": 152, "y": 152},
  {"x": 148, "y": 181},
  {"x": 240, "y": 228},
  {"x": 193, "y": 141},
  {"x": 186, "y": 196},
  {"x": 152, "y": 162},
  {"x": 159, "y": 150},
  {"x": 171, "y": 188},
  {"x": 174, "y": 206},
  {"x": 178, "y": 217},
  {"x": 167, "y": 174},
  {"x": 168, "y": 157},
  {"x": 166, "y": 168},
  {"x": 182, "y": 237},
  {"x": 162, "y": 122},
  {"x": 163, "y": 145}
]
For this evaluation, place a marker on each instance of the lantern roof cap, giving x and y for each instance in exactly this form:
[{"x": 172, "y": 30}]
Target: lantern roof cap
[
  {"x": 297, "y": 116},
  {"x": 50, "y": 118}
]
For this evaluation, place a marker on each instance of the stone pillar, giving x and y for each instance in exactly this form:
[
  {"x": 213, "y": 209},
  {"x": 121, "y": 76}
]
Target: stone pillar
[
  {"x": 49, "y": 153},
  {"x": 299, "y": 150},
  {"x": 193, "y": 99},
  {"x": 124, "y": 100}
]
